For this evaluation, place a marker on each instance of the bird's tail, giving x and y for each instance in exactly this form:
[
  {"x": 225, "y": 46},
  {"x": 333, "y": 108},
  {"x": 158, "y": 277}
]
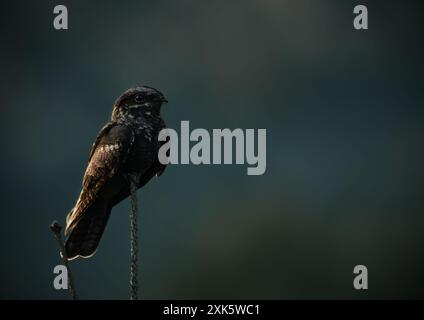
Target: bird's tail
[{"x": 86, "y": 231}]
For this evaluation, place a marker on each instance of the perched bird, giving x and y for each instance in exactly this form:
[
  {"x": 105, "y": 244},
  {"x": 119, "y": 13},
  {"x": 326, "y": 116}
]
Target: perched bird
[{"x": 125, "y": 148}]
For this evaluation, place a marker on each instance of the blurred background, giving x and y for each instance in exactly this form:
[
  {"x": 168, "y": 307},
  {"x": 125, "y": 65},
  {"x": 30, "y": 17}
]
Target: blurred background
[{"x": 344, "y": 116}]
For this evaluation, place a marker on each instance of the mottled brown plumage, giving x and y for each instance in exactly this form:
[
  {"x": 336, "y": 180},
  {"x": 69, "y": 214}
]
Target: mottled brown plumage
[{"x": 127, "y": 145}]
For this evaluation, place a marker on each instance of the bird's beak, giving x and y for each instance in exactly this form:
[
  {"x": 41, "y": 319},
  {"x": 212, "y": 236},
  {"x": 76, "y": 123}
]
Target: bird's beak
[{"x": 163, "y": 99}]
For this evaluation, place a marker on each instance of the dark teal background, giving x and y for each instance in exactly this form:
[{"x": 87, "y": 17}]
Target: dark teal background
[{"x": 344, "y": 116}]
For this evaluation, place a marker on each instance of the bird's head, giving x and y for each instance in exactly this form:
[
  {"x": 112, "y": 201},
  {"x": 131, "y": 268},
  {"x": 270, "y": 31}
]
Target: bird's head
[{"x": 137, "y": 102}]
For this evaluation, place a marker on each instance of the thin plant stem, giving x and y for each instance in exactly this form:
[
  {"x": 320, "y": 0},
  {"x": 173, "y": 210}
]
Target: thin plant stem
[
  {"x": 134, "y": 240},
  {"x": 56, "y": 228}
]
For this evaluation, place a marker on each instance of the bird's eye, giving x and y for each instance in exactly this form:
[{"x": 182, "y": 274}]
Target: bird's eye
[{"x": 138, "y": 98}]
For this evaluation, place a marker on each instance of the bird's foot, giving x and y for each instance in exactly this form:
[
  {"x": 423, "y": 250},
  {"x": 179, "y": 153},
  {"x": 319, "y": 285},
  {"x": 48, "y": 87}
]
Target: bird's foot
[{"x": 133, "y": 178}]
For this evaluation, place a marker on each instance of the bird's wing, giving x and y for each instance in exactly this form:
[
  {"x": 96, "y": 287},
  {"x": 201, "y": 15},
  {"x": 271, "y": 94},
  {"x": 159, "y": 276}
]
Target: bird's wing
[
  {"x": 100, "y": 135},
  {"x": 107, "y": 155}
]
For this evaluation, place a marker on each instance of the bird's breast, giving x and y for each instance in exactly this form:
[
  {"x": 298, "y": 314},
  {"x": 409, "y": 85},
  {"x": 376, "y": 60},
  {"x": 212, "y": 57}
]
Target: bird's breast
[{"x": 142, "y": 154}]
